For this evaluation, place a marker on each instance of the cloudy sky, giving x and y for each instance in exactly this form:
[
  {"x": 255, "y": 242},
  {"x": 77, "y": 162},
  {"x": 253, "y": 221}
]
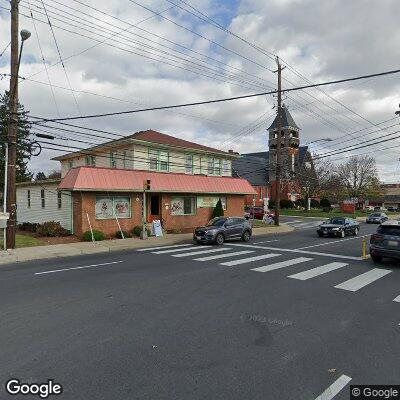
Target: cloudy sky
[{"x": 128, "y": 54}]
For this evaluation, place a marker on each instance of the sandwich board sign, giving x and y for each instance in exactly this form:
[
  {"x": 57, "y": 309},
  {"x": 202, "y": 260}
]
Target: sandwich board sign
[{"x": 157, "y": 229}]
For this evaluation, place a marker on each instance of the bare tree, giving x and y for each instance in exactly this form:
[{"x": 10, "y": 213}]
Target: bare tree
[
  {"x": 54, "y": 174},
  {"x": 359, "y": 176}
]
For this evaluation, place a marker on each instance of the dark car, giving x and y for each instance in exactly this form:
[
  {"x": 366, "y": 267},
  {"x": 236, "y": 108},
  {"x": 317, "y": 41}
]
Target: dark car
[
  {"x": 385, "y": 242},
  {"x": 392, "y": 209},
  {"x": 223, "y": 228},
  {"x": 339, "y": 226},
  {"x": 254, "y": 212},
  {"x": 377, "y": 218}
]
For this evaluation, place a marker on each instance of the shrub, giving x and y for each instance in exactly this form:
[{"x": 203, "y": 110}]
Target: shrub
[
  {"x": 97, "y": 235},
  {"x": 28, "y": 226},
  {"x": 325, "y": 203},
  {"x": 51, "y": 229},
  {"x": 137, "y": 231},
  {"x": 118, "y": 234},
  {"x": 284, "y": 203},
  {"x": 326, "y": 209},
  {"x": 218, "y": 210},
  {"x": 314, "y": 203},
  {"x": 300, "y": 203},
  {"x": 271, "y": 204}
]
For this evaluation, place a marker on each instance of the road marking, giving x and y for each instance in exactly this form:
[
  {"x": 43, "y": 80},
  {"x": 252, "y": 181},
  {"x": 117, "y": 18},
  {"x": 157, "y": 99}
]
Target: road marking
[
  {"x": 249, "y": 259},
  {"x": 334, "y": 241},
  {"x": 175, "y": 250},
  {"x": 308, "y": 224},
  {"x": 282, "y": 264},
  {"x": 292, "y": 222},
  {"x": 312, "y": 273},
  {"x": 85, "y": 266},
  {"x": 362, "y": 280},
  {"x": 194, "y": 253},
  {"x": 397, "y": 299},
  {"x": 266, "y": 241},
  {"x": 164, "y": 247},
  {"x": 335, "y": 388},
  {"x": 236, "y": 253},
  {"x": 298, "y": 251}
]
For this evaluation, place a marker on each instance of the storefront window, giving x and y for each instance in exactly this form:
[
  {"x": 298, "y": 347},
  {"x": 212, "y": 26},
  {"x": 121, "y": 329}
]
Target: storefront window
[
  {"x": 210, "y": 201},
  {"x": 111, "y": 207},
  {"x": 183, "y": 205}
]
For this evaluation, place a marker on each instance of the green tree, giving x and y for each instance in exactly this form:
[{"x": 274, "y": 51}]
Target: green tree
[
  {"x": 40, "y": 176},
  {"x": 24, "y": 143},
  {"x": 218, "y": 209}
]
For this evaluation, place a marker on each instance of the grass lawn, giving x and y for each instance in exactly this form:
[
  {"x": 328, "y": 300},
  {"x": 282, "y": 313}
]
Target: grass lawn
[
  {"x": 24, "y": 241},
  {"x": 257, "y": 223},
  {"x": 322, "y": 214}
]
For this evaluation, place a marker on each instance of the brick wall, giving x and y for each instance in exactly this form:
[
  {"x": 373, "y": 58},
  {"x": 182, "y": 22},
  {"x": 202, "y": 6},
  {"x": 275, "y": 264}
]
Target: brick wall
[{"x": 85, "y": 204}]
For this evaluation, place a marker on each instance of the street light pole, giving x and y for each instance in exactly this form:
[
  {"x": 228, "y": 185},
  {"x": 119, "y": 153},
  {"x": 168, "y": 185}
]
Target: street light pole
[{"x": 12, "y": 136}]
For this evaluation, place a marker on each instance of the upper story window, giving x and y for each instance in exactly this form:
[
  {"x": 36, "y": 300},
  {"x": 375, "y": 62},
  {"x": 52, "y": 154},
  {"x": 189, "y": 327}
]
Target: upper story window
[
  {"x": 70, "y": 164},
  {"x": 113, "y": 159},
  {"x": 158, "y": 160},
  {"x": 189, "y": 164},
  {"x": 42, "y": 198},
  {"x": 226, "y": 167},
  {"x": 59, "y": 200},
  {"x": 213, "y": 166},
  {"x": 91, "y": 161},
  {"x": 28, "y": 194}
]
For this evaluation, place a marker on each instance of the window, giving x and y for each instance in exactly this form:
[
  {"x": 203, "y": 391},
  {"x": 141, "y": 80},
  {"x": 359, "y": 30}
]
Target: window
[
  {"x": 113, "y": 159},
  {"x": 112, "y": 207},
  {"x": 153, "y": 159},
  {"x": 183, "y": 205},
  {"x": 91, "y": 161},
  {"x": 217, "y": 166},
  {"x": 189, "y": 164},
  {"x": 42, "y": 198},
  {"x": 70, "y": 164},
  {"x": 163, "y": 161},
  {"x": 59, "y": 200},
  {"x": 226, "y": 167},
  {"x": 124, "y": 159},
  {"x": 210, "y": 166},
  {"x": 213, "y": 166},
  {"x": 158, "y": 160},
  {"x": 28, "y": 194}
]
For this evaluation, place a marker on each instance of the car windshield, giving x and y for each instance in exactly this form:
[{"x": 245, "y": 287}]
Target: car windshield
[
  {"x": 336, "y": 221},
  {"x": 389, "y": 230},
  {"x": 217, "y": 222},
  {"x": 375, "y": 215}
]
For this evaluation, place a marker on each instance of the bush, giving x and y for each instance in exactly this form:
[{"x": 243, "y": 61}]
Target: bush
[
  {"x": 28, "y": 226},
  {"x": 137, "y": 231},
  {"x": 314, "y": 203},
  {"x": 218, "y": 210},
  {"x": 327, "y": 209},
  {"x": 284, "y": 203},
  {"x": 300, "y": 203},
  {"x": 118, "y": 234},
  {"x": 97, "y": 235},
  {"x": 51, "y": 229},
  {"x": 324, "y": 203},
  {"x": 271, "y": 204}
]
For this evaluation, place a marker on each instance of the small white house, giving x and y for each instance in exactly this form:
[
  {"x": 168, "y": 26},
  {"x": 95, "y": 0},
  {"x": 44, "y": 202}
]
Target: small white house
[{"x": 40, "y": 201}]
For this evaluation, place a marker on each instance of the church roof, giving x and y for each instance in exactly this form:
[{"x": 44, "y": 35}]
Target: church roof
[{"x": 287, "y": 120}]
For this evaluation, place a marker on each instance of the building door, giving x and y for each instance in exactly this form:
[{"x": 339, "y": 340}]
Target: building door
[{"x": 154, "y": 207}]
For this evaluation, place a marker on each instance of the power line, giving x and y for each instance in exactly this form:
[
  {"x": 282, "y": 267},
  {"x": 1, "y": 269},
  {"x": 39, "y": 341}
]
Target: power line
[
  {"x": 5, "y": 49},
  {"x": 225, "y": 99}
]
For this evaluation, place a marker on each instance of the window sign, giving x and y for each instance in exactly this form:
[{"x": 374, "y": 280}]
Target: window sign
[
  {"x": 122, "y": 207},
  {"x": 210, "y": 201},
  {"x": 183, "y": 205},
  {"x": 104, "y": 208}
]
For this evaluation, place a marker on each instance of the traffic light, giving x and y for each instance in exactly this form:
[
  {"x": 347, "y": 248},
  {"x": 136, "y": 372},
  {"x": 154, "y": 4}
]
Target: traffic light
[{"x": 146, "y": 184}]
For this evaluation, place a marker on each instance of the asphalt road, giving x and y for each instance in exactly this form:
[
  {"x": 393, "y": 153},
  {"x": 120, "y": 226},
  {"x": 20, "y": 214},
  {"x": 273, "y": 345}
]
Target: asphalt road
[{"x": 169, "y": 324}]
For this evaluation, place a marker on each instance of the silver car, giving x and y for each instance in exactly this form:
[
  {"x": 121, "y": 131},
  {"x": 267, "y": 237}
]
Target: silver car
[{"x": 377, "y": 218}]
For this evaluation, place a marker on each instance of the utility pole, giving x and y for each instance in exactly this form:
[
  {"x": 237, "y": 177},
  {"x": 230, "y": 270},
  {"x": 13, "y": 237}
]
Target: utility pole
[
  {"x": 278, "y": 145},
  {"x": 12, "y": 129}
]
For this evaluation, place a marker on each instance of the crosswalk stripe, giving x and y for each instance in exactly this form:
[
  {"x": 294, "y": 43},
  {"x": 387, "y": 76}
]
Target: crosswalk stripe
[
  {"x": 307, "y": 224},
  {"x": 249, "y": 259},
  {"x": 281, "y": 264},
  {"x": 164, "y": 247},
  {"x": 362, "y": 280},
  {"x": 335, "y": 388},
  {"x": 175, "y": 250},
  {"x": 194, "y": 253},
  {"x": 292, "y": 222},
  {"x": 397, "y": 299},
  {"x": 236, "y": 253},
  {"x": 312, "y": 273}
]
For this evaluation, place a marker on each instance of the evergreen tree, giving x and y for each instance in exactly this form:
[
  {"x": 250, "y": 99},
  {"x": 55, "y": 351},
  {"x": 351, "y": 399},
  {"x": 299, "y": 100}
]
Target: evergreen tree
[
  {"x": 218, "y": 209},
  {"x": 24, "y": 143},
  {"x": 40, "y": 176}
]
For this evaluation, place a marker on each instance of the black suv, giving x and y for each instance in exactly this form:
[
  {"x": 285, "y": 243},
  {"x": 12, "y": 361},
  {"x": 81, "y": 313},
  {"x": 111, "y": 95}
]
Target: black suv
[
  {"x": 386, "y": 241},
  {"x": 223, "y": 228}
]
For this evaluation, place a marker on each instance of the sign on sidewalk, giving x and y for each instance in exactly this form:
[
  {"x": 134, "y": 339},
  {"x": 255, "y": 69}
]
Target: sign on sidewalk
[{"x": 157, "y": 229}]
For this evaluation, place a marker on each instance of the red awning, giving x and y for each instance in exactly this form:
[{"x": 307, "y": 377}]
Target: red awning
[{"x": 111, "y": 179}]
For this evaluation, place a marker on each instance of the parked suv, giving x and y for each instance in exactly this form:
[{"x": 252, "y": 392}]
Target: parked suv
[
  {"x": 377, "y": 218},
  {"x": 223, "y": 228},
  {"x": 386, "y": 241}
]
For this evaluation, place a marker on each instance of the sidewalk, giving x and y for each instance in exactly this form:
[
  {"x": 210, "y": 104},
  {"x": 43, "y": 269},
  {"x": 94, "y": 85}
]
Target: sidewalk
[{"x": 75, "y": 249}]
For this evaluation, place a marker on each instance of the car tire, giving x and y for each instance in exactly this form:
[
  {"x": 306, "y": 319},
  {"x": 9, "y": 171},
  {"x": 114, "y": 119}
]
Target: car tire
[
  {"x": 356, "y": 232},
  {"x": 319, "y": 234},
  {"x": 219, "y": 239},
  {"x": 342, "y": 234},
  {"x": 246, "y": 236},
  {"x": 376, "y": 258}
]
